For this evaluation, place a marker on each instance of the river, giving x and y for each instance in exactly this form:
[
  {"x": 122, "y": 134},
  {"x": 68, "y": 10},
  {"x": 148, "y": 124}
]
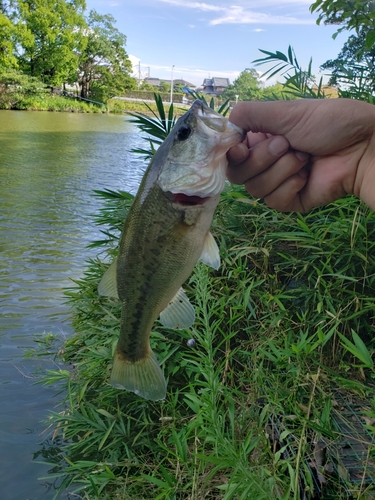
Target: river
[{"x": 49, "y": 165}]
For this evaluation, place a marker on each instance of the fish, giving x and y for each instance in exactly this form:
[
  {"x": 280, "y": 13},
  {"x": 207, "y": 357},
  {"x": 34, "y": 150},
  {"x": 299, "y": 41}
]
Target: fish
[{"x": 166, "y": 231}]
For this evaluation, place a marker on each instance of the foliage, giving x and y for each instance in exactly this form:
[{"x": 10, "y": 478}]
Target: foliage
[
  {"x": 48, "y": 102},
  {"x": 288, "y": 317},
  {"x": 354, "y": 68},
  {"x": 56, "y": 37},
  {"x": 299, "y": 83},
  {"x": 13, "y": 34},
  {"x": 156, "y": 127},
  {"x": 351, "y": 14},
  {"x": 273, "y": 325},
  {"x": 57, "y": 44},
  {"x": 104, "y": 65},
  {"x": 147, "y": 86},
  {"x": 273, "y": 92},
  {"x": 164, "y": 87},
  {"x": 245, "y": 87},
  {"x": 15, "y": 87}
]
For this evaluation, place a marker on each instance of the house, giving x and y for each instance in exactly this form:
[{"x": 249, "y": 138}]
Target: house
[{"x": 215, "y": 86}]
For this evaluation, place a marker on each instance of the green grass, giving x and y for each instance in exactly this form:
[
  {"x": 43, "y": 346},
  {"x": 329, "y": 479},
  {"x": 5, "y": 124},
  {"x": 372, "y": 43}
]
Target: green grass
[
  {"x": 282, "y": 328},
  {"x": 47, "y": 102},
  {"x": 120, "y": 106},
  {"x": 274, "y": 337}
]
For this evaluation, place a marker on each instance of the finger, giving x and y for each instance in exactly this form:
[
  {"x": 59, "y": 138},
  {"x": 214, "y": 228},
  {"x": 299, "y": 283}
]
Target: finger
[
  {"x": 238, "y": 154},
  {"x": 319, "y": 126},
  {"x": 287, "y": 197},
  {"x": 255, "y": 138},
  {"x": 258, "y": 158},
  {"x": 267, "y": 181}
]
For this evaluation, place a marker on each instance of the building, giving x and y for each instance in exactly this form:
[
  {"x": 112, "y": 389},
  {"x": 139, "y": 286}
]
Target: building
[{"x": 215, "y": 86}]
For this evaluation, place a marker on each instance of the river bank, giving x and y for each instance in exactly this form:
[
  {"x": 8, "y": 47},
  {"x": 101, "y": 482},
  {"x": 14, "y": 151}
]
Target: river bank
[
  {"x": 272, "y": 368},
  {"x": 58, "y": 103}
]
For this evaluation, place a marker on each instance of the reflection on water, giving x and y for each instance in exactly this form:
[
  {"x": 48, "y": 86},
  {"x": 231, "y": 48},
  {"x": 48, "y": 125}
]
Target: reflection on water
[{"x": 49, "y": 165}]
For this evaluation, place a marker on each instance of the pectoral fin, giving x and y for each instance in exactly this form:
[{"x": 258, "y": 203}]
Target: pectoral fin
[
  {"x": 179, "y": 313},
  {"x": 210, "y": 254},
  {"x": 108, "y": 284}
]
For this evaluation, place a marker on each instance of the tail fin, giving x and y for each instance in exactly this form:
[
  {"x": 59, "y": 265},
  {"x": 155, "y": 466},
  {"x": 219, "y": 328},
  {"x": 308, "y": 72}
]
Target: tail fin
[{"x": 143, "y": 377}]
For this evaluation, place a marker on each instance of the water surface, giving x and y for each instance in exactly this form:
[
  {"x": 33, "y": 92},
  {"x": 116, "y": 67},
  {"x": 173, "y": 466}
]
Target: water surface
[{"x": 49, "y": 165}]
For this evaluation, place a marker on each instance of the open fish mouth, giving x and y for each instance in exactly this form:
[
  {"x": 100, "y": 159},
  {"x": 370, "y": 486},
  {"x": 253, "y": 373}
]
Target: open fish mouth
[{"x": 184, "y": 199}]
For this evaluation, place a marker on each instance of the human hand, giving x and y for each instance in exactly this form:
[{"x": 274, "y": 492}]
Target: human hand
[{"x": 305, "y": 153}]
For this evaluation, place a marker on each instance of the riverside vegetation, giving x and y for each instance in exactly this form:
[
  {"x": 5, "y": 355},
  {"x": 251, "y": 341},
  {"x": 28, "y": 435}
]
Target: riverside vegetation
[{"x": 284, "y": 326}]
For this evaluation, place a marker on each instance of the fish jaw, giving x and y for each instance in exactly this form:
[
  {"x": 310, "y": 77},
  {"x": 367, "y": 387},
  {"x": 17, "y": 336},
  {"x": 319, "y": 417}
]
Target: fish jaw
[{"x": 196, "y": 166}]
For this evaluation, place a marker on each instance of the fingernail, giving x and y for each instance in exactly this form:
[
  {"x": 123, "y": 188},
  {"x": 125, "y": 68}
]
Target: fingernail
[
  {"x": 301, "y": 155},
  {"x": 278, "y": 145}
]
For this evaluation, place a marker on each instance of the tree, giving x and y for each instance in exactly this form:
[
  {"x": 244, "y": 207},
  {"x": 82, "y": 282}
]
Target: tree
[
  {"x": 247, "y": 87},
  {"x": 164, "y": 87},
  {"x": 104, "y": 66},
  {"x": 352, "y": 14},
  {"x": 178, "y": 87},
  {"x": 354, "y": 67},
  {"x": 148, "y": 86},
  {"x": 51, "y": 53},
  {"x": 12, "y": 36},
  {"x": 273, "y": 92},
  {"x": 15, "y": 86}
]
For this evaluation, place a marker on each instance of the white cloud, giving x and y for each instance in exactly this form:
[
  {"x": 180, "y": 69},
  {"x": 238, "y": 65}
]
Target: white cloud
[
  {"x": 237, "y": 14},
  {"x": 205, "y": 7}
]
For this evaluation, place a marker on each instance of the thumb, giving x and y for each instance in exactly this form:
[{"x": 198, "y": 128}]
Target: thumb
[{"x": 274, "y": 117}]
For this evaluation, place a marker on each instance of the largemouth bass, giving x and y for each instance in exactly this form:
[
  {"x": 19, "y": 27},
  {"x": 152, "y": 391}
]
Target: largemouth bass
[{"x": 165, "y": 233}]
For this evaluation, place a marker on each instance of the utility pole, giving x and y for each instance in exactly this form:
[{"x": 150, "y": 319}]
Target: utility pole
[{"x": 172, "y": 85}]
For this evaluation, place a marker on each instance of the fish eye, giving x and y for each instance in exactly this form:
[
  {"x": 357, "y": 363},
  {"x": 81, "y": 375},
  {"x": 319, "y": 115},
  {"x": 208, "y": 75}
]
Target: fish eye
[{"x": 183, "y": 133}]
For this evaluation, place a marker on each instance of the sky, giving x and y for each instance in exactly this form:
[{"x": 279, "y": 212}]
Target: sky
[{"x": 197, "y": 40}]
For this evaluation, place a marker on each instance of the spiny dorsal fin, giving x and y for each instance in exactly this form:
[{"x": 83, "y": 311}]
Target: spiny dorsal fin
[
  {"x": 210, "y": 254},
  {"x": 179, "y": 313},
  {"x": 108, "y": 283}
]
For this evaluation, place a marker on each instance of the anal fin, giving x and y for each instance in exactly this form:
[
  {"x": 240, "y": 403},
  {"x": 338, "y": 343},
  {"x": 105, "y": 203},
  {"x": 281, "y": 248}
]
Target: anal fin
[{"x": 179, "y": 313}]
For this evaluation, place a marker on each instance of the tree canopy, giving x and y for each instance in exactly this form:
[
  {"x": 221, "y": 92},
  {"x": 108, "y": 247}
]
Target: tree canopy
[
  {"x": 350, "y": 14},
  {"x": 354, "y": 67},
  {"x": 58, "y": 43},
  {"x": 246, "y": 87},
  {"x": 104, "y": 65}
]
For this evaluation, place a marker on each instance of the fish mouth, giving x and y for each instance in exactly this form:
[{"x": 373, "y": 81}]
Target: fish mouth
[{"x": 184, "y": 199}]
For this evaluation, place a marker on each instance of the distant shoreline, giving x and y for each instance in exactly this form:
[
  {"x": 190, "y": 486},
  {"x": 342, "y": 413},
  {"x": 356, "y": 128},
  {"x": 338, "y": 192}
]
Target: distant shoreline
[{"x": 68, "y": 105}]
